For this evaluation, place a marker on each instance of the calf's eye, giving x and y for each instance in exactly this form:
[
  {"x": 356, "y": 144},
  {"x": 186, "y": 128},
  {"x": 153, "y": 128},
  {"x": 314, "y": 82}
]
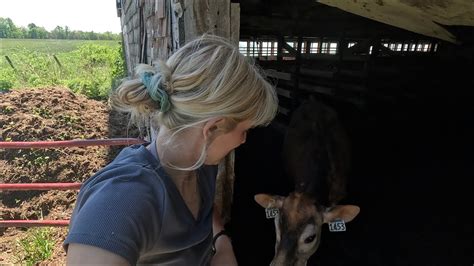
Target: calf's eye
[{"x": 309, "y": 239}]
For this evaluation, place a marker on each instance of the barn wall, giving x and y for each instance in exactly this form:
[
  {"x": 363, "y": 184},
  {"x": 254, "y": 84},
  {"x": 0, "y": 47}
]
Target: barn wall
[{"x": 153, "y": 29}]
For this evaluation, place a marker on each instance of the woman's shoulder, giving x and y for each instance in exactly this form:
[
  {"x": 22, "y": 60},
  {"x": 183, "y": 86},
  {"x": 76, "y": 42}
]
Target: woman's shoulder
[
  {"x": 132, "y": 174},
  {"x": 135, "y": 155},
  {"x": 129, "y": 185},
  {"x": 132, "y": 163}
]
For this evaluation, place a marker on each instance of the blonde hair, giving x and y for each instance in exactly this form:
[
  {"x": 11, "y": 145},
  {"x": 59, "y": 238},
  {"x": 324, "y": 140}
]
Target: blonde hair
[{"x": 204, "y": 79}]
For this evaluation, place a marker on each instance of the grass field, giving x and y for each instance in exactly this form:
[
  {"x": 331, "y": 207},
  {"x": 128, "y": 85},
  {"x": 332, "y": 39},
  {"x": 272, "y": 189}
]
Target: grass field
[
  {"x": 87, "y": 67},
  {"x": 8, "y": 46}
]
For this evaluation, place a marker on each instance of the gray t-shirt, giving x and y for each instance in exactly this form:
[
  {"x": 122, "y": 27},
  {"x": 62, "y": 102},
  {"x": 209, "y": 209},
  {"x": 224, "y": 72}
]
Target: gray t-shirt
[{"x": 133, "y": 208}]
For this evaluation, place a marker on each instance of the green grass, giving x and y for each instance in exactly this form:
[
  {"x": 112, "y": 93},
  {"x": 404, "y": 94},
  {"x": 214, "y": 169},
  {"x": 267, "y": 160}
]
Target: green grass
[
  {"x": 8, "y": 46},
  {"x": 36, "y": 247},
  {"x": 87, "y": 67}
]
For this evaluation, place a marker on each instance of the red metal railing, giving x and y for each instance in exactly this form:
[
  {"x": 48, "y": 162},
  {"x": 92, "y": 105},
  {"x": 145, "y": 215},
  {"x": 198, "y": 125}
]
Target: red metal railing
[
  {"x": 33, "y": 223},
  {"x": 53, "y": 186},
  {"x": 68, "y": 143},
  {"x": 40, "y": 186}
]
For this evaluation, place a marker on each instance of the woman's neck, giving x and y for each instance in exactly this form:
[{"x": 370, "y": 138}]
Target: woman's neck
[{"x": 182, "y": 150}]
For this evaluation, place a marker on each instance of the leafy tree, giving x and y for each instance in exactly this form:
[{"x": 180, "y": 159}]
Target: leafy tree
[
  {"x": 7, "y": 27},
  {"x": 21, "y": 33},
  {"x": 91, "y": 35},
  {"x": 32, "y": 31},
  {"x": 42, "y": 33},
  {"x": 58, "y": 33}
]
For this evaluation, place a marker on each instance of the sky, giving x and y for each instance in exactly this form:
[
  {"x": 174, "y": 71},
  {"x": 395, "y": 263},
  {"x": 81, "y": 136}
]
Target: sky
[{"x": 85, "y": 15}]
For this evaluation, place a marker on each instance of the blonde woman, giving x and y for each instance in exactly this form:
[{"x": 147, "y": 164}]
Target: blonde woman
[{"x": 154, "y": 204}]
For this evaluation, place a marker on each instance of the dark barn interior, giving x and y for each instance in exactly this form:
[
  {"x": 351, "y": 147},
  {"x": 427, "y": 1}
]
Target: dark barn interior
[{"x": 405, "y": 100}]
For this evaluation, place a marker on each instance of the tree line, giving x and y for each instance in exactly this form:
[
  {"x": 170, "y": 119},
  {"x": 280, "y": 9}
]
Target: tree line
[{"x": 8, "y": 29}]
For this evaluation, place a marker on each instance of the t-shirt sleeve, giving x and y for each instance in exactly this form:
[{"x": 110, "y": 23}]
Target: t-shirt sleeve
[{"x": 121, "y": 215}]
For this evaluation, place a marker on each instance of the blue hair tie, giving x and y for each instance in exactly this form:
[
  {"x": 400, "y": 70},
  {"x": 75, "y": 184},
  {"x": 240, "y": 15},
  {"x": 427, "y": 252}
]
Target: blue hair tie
[{"x": 155, "y": 89}]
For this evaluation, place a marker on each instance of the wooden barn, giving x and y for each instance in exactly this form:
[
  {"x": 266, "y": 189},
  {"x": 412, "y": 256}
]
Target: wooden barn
[{"x": 399, "y": 73}]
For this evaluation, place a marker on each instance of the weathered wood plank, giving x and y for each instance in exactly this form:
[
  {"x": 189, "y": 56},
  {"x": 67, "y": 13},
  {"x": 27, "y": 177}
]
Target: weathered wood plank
[
  {"x": 316, "y": 88},
  {"x": 283, "y": 92},
  {"x": 222, "y": 15},
  {"x": 175, "y": 14},
  {"x": 201, "y": 16},
  {"x": 149, "y": 8},
  {"x": 160, "y": 8},
  {"x": 283, "y": 110},
  {"x": 127, "y": 4},
  {"x": 195, "y": 18},
  {"x": 317, "y": 73},
  {"x": 235, "y": 23},
  {"x": 277, "y": 74}
]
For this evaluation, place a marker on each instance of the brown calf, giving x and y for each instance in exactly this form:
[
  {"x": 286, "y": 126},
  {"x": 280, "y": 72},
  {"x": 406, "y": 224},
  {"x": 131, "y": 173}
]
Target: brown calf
[{"x": 317, "y": 158}]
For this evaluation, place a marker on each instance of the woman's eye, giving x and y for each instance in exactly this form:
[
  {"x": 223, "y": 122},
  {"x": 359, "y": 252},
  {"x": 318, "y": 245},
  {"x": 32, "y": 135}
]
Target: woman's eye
[{"x": 309, "y": 239}]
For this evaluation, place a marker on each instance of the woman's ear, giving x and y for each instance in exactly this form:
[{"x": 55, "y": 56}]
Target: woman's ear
[{"x": 212, "y": 127}]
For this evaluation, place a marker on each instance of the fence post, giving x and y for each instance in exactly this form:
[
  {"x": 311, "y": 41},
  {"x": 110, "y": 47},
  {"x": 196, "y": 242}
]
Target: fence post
[
  {"x": 57, "y": 61},
  {"x": 10, "y": 62}
]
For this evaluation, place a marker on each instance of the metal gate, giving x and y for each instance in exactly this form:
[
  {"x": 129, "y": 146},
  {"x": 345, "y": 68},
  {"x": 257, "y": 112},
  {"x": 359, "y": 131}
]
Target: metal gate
[{"x": 53, "y": 186}]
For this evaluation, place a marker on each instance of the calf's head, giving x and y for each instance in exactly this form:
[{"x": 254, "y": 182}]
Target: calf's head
[{"x": 298, "y": 225}]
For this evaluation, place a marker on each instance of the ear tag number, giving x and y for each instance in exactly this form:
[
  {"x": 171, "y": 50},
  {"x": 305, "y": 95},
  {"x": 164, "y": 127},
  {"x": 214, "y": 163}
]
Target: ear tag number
[
  {"x": 337, "y": 226},
  {"x": 271, "y": 212}
]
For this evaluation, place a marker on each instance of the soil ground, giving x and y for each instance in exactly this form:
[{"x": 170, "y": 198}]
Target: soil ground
[{"x": 50, "y": 114}]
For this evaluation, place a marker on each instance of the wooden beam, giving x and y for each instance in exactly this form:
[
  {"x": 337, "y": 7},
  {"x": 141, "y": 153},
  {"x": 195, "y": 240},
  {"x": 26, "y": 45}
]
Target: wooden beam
[
  {"x": 175, "y": 14},
  {"x": 253, "y": 25},
  {"x": 317, "y": 73},
  {"x": 290, "y": 49},
  {"x": 206, "y": 16},
  {"x": 283, "y": 110},
  {"x": 277, "y": 74},
  {"x": 283, "y": 92},
  {"x": 235, "y": 23},
  {"x": 220, "y": 13},
  {"x": 316, "y": 88}
]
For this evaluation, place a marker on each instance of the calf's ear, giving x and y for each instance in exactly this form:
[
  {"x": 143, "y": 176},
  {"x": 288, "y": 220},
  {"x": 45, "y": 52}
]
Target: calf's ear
[
  {"x": 343, "y": 212},
  {"x": 269, "y": 201}
]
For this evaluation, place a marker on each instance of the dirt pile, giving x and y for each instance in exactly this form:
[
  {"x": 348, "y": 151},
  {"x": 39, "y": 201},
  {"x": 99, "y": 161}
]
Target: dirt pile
[{"x": 50, "y": 114}]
